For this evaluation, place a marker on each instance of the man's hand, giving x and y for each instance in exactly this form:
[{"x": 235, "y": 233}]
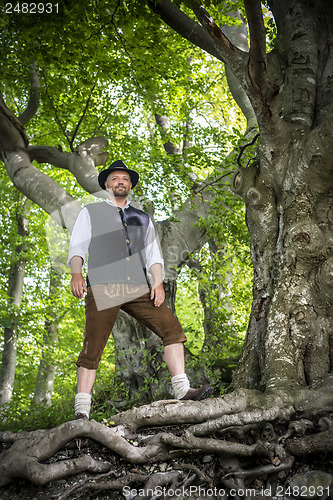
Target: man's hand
[
  {"x": 78, "y": 285},
  {"x": 157, "y": 294}
]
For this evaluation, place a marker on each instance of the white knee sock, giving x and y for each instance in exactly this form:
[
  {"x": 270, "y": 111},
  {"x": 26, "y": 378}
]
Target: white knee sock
[
  {"x": 82, "y": 403},
  {"x": 180, "y": 384}
]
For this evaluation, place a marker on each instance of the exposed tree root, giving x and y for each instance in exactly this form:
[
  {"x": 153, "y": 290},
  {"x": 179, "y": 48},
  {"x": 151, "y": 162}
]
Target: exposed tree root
[
  {"x": 241, "y": 437},
  {"x": 317, "y": 443},
  {"x": 241, "y": 419},
  {"x": 173, "y": 412},
  {"x": 101, "y": 483}
]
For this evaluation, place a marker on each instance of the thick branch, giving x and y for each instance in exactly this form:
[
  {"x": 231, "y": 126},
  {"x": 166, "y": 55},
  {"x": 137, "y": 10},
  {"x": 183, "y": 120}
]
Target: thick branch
[
  {"x": 40, "y": 188},
  {"x": 34, "y": 184},
  {"x": 33, "y": 103},
  {"x": 80, "y": 163},
  {"x": 199, "y": 36},
  {"x": 213, "y": 40},
  {"x": 24, "y": 458},
  {"x": 234, "y": 57},
  {"x": 258, "y": 62},
  {"x": 190, "y": 442},
  {"x": 170, "y": 147},
  {"x": 163, "y": 124},
  {"x": 62, "y": 128},
  {"x": 185, "y": 26}
]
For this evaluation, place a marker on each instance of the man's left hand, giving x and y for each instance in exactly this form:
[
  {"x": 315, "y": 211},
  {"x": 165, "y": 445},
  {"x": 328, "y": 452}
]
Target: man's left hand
[{"x": 157, "y": 294}]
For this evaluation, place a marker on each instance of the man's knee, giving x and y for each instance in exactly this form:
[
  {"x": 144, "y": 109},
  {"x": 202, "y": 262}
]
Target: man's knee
[{"x": 173, "y": 334}]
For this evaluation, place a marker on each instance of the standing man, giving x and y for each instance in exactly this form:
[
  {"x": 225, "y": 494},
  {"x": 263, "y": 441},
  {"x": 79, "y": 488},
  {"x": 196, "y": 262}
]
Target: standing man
[{"x": 122, "y": 248}]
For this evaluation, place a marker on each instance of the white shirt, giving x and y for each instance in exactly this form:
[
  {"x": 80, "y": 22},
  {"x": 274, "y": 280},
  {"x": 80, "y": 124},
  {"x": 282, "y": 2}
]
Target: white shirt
[{"x": 81, "y": 237}]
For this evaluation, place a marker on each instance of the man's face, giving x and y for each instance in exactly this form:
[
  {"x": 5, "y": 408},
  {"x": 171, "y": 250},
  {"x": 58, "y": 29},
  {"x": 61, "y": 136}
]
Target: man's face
[{"x": 119, "y": 182}]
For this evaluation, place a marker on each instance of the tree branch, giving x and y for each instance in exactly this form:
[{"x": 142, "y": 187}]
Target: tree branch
[
  {"x": 81, "y": 119},
  {"x": 198, "y": 35},
  {"x": 33, "y": 103},
  {"x": 56, "y": 114},
  {"x": 80, "y": 163},
  {"x": 242, "y": 148},
  {"x": 171, "y": 149},
  {"x": 258, "y": 61}
]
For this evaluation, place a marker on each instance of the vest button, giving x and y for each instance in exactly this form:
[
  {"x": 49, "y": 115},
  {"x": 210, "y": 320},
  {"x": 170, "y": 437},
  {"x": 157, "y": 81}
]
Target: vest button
[{"x": 129, "y": 279}]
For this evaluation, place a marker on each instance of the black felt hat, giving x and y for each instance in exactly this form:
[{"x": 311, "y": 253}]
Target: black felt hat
[{"x": 117, "y": 165}]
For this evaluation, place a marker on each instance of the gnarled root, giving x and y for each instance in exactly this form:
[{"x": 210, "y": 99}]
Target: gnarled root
[{"x": 240, "y": 438}]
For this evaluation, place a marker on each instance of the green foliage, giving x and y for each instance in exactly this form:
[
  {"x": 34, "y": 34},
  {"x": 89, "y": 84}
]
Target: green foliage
[
  {"x": 91, "y": 66},
  {"x": 271, "y": 29},
  {"x": 189, "y": 310}
]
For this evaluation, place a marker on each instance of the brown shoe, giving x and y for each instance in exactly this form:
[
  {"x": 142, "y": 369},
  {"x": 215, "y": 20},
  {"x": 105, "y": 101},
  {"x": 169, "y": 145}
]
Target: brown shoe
[
  {"x": 81, "y": 416},
  {"x": 198, "y": 394}
]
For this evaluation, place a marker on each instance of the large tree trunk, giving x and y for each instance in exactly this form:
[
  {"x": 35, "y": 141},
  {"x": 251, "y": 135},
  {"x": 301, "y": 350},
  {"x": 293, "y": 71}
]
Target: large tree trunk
[
  {"x": 289, "y": 338},
  {"x": 288, "y": 195},
  {"x": 15, "y": 292}
]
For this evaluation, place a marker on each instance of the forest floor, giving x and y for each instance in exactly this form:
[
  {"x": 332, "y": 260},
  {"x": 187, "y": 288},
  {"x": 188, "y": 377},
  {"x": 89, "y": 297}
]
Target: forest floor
[
  {"x": 208, "y": 469},
  {"x": 264, "y": 449}
]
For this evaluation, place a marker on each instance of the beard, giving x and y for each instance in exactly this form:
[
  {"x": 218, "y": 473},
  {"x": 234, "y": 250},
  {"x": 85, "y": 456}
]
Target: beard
[{"x": 120, "y": 192}]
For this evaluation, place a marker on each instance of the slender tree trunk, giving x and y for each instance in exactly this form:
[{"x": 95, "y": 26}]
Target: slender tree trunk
[
  {"x": 15, "y": 292},
  {"x": 47, "y": 366}
]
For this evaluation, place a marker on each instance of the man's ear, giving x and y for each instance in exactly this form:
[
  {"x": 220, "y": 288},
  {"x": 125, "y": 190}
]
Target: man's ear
[{"x": 106, "y": 184}]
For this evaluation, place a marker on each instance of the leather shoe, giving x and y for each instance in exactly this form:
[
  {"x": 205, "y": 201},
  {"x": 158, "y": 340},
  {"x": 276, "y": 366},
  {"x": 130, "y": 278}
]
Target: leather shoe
[
  {"x": 198, "y": 394},
  {"x": 81, "y": 416}
]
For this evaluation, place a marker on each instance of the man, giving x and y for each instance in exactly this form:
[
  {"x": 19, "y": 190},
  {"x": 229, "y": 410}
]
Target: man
[{"x": 122, "y": 247}]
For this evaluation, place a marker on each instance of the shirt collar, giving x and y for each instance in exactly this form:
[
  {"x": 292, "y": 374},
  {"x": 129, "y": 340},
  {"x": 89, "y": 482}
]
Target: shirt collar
[{"x": 110, "y": 202}]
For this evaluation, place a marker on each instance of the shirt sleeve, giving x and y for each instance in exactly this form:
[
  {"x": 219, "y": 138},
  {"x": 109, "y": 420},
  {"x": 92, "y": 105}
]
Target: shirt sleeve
[
  {"x": 153, "y": 252},
  {"x": 81, "y": 236}
]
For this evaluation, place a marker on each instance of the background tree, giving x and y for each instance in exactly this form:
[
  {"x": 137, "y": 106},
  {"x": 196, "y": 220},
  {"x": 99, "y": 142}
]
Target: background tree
[{"x": 17, "y": 264}]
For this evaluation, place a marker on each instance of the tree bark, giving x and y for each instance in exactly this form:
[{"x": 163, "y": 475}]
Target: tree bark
[
  {"x": 47, "y": 365},
  {"x": 288, "y": 196}
]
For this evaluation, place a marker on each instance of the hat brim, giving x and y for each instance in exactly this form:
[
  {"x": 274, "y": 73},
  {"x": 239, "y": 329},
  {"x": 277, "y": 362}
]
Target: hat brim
[{"x": 105, "y": 173}]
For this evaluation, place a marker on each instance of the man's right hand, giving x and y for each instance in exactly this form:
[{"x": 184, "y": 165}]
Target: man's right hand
[{"x": 78, "y": 285}]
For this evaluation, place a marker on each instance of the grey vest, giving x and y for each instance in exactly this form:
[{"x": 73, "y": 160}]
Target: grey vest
[{"x": 117, "y": 248}]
